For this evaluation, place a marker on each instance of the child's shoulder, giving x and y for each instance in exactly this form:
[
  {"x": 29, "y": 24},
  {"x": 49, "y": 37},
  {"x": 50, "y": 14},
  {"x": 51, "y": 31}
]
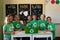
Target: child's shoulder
[
  {"x": 39, "y": 20},
  {"x": 5, "y": 25},
  {"x": 13, "y": 21}
]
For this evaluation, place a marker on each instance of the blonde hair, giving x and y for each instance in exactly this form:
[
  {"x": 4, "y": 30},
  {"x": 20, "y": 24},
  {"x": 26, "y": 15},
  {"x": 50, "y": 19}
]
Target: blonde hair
[{"x": 43, "y": 15}]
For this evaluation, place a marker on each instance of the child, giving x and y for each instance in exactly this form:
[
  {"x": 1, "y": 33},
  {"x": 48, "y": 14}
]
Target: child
[
  {"x": 8, "y": 29},
  {"x": 34, "y": 22},
  {"x": 11, "y": 17},
  {"x": 29, "y": 20},
  {"x": 42, "y": 23},
  {"x": 16, "y": 23},
  {"x": 51, "y": 26}
]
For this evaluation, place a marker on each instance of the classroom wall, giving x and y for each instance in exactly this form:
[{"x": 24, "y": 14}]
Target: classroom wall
[{"x": 1, "y": 18}]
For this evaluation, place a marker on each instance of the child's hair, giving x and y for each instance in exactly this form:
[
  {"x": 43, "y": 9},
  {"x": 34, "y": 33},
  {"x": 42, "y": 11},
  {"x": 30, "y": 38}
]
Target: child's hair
[
  {"x": 34, "y": 14},
  {"x": 48, "y": 17},
  {"x": 30, "y": 15},
  {"x": 5, "y": 21},
  {"x": 43, "y": 14},
  {"x": 17, "y": 15}
]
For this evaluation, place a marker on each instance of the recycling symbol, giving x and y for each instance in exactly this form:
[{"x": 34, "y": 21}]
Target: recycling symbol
[
  {"x": 42, "y": 24},
  {"x": 18, "y": 25},
  {"x": 31, "y": 31},
  {"x": 35, "y": 25}
]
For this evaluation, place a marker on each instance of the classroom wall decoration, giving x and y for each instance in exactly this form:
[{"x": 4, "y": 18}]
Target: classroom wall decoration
[
  {"x": 55, "y": 1},
  {"x": 24, "y": 11},
  {"x": 11, "y": 9},
  {"x": 36, "y": 9}
]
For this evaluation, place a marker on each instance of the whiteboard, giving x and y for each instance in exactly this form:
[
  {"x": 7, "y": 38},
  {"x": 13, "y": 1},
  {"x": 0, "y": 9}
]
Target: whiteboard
[{"x": 53, "y": 10}]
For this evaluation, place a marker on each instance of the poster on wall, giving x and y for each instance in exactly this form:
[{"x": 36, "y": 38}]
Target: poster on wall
[
  {"x": 37, "y": 9},
  {"x": 11, "y": 9},
  {"x": 24, "y": 11}
]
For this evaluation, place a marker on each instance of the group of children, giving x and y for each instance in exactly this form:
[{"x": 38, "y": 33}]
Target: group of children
[{"x": 10, "y": 25}]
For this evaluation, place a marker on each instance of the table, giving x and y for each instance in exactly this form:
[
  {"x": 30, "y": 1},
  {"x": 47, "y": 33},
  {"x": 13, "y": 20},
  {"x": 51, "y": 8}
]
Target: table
[
  {"x": 41, "y": 34},
  {"x": 20, "y": 34}
]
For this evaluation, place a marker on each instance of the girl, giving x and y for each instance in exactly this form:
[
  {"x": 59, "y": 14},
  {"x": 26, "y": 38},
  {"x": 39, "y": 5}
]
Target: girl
[
  {"x": 16, "y": 23},
  {"x": 51, "y": 27},
  {"x": 8, "y": 29},
  {"x": 42, "y": 22},
  {"x": 34, "y": 22},
  {"x": 29, "y": 20}
]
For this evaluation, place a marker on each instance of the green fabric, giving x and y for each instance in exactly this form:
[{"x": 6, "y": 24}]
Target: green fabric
[
  {"x": 34, "y": 23},
  {"x": 17, "y": 25},
  {"x": 32, "y": 27},
  {"x": 42, "y": 24},
  {"x": 29, "y": 24},
  {"x": 8, "y": 28},
  {"x": 51, "y": 26}
]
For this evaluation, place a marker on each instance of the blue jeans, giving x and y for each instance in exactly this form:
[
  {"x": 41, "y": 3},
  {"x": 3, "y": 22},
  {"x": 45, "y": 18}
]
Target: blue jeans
[{"x": 7, "y": 39}]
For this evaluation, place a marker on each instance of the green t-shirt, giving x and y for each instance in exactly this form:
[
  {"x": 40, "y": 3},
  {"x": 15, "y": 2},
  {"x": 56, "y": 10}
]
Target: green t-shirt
[
  {"x": 8, "y": 28},
  {"x": 34, "y": 23},
  {"x": 42, "y": 24},
  {"x": 17, "y": 25},
  {"x": 29, "y": 24},
  {"x": 51, "y": 26}
]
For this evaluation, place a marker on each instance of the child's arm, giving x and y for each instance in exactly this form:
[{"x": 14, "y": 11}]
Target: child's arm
[{"x": 4, "y": 32}]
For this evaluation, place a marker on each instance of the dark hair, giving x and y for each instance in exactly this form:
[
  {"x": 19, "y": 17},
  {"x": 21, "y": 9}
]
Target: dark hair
[
  {"x": 10, "y": 15},
  {"x": 34, "y": 14},
  {"x": 30, "y": 15},
  {"x": 48, "y": 17},
  {"x": 43, "y": 14}
]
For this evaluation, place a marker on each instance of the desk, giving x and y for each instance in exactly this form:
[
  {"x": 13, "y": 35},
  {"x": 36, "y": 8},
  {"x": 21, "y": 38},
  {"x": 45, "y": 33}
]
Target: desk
[{"x": 40, "y": 34}]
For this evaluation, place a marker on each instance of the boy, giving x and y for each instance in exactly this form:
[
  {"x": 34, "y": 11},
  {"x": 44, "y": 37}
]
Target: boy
[{"x": 51, "y": 27}]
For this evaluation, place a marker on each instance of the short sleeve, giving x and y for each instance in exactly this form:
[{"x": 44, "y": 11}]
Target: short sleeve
[
  {"x": 54, "y": 27},
  {"x": 4, "y": 27}
]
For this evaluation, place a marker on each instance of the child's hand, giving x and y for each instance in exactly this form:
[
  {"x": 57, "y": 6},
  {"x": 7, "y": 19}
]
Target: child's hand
[
  {"x": 13, "y": 32},
  {"x": 20, "y": 30}
]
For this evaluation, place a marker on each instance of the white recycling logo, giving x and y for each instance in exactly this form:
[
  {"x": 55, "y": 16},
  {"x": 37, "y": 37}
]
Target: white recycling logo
[{"x": 31, "y": 31}]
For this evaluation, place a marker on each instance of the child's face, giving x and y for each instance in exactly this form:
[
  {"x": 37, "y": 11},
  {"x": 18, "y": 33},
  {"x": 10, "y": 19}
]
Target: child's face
[
  {"x": 34, "y": 17},
  {"x": 7, "y": 20},
  {"x": 17, "y": 17},
  {"x": 11, "y": 18},
  {"x": 42, "y": 17},
  {"x": 29, "y": 18},
  {"x": 49, "y": 20}
]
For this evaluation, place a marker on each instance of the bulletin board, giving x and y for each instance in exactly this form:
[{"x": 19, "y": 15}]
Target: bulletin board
[{"x": 11, "y": 9}]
